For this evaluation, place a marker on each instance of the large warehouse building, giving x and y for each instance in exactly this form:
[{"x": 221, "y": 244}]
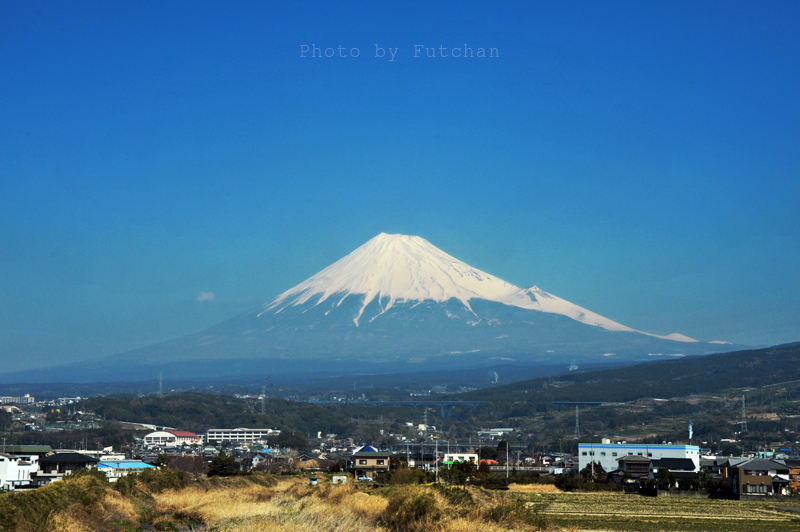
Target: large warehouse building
[{"x": 607, "y": 454}]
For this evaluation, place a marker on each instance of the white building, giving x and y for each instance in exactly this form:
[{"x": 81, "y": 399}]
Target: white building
[
  {"x": 24, "y": 400},
  {"x": 608, "y": 453},
  {"x": 450, "y": 458},
  {"x": 116, "y": 469},
  {"x": 172, "y": 438},
  {"x": 240, "y": 435},
  {"x": 16, "y": 470}
]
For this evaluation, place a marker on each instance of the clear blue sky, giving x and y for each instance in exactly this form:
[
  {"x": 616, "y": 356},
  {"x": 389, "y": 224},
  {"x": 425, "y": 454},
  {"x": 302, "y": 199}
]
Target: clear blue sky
[{"x": 638, "y": 159}]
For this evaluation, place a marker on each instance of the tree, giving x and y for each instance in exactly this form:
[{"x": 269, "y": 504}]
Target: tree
[
  {"x": 5, "y": 420},
  {"x": 396, "y": 463},
  {"x": 664, "y": 478},
  {"x": 194, "y": 465},
  {"x": 487, "y": 453},
  {"x": 223, "y": 466},
  {"x": 291, "y": 440}
]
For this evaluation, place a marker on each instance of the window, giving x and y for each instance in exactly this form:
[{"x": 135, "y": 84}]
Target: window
[
  {"x": 362, "y": 462},
  {"x": 650, "y": 454},
  {"x": 614, "y": 453},
  {"x": 602, "y": 453},
  {"x": 380, "y": 462},
  {"x": 583, "y": 453}
]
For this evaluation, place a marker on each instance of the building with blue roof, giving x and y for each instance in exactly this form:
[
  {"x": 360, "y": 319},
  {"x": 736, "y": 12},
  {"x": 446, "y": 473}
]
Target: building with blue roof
[{"x": 115, "y": 469}]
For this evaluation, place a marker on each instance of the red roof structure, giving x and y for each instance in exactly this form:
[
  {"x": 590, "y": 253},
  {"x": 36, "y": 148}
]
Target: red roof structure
[{"x": 183, "y": 434}]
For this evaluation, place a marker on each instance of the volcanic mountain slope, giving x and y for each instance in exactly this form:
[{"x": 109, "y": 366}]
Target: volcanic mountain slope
[{"x": 399, "y": 302}]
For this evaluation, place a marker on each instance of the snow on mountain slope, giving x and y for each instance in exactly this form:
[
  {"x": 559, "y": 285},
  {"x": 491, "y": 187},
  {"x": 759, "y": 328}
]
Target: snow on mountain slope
[
  {"x": 401, "y": 268},
  {"x": 398, "y": 268}
]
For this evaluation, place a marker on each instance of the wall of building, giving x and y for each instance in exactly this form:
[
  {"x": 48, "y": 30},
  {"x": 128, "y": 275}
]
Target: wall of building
[{"x": 607, "y": 454}]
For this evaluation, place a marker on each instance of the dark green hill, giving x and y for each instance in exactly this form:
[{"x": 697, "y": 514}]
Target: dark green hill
[
  {"x": 199, "y": 412},
  {"x": 664, "y": 379}
]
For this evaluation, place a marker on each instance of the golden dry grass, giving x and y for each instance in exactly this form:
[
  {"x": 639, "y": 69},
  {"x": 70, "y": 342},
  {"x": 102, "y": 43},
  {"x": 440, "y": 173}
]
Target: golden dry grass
[
  {"x": 117, "y": 507},
  {"x": 533, "y": 488},
  {"x": 291, "y": 505}
]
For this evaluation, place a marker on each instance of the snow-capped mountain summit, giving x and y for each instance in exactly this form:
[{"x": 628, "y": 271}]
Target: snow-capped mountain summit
[
  {"x": 397, "y": 268},
  {"x": 398, "y": 303},
  {"x": 402, "y": 268}
]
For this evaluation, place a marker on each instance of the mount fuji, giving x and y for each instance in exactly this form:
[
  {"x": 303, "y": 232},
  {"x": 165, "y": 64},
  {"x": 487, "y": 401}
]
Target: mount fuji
[{"x": 398, "y": 304}]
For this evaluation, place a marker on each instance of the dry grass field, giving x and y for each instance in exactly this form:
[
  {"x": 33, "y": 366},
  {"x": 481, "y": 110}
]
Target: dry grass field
[
  {"x": 616, "y": 511},
  {"x": 266, "y": 504}
]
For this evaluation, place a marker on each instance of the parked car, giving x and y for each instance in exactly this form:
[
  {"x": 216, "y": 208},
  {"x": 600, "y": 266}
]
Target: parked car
[
  {"x": 364, "y": 478},
  {"x": 313, "y": 481}
]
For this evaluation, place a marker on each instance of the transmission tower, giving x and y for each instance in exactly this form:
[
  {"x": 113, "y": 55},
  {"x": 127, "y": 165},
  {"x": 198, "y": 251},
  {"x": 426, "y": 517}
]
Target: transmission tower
[
  {"x": 160, "y": 384},
  {"x": 263, "y": 400},
  {"x": 744, "y": 416},
  {"x": 577, "y": 427}
]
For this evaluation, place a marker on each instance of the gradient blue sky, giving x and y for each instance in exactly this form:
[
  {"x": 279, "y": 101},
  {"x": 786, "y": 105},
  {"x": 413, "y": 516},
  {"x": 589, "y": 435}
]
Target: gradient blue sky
[{"x": 638, "y": 159}]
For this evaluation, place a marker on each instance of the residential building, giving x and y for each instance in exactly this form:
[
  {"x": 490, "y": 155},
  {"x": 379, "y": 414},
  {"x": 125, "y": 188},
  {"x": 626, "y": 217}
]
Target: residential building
[
  {"x": 16, "y": 471},
  {"x": 794, "y": 474},
  {"x": 369, "y": 462},
  {"x": 116, "y": 469},
  {"x": 241, "y": 435},
  {"x": 679, "y": 467},
  {"x": 450, "y": 458},
  {"x": 759, "y": 477},
  {"x": 608, "y": 454},
  {"x": 26, "y": 450},
  {"x": 54, "y": 466},
  {"x": 631, "y": 470},
  {"x": 24, "y": 400}
]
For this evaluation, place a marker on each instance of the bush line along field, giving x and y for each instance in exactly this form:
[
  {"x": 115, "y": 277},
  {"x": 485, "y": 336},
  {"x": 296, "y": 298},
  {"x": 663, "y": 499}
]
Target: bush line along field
[{"x": 168, "y": 500}]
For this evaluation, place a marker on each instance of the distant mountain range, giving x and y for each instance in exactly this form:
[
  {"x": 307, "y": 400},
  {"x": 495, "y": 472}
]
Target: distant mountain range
[{"x": 396, "y": 304}]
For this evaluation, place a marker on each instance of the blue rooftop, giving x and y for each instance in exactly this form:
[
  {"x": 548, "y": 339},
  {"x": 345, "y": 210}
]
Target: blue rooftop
[{"x": 126, "y": 465}]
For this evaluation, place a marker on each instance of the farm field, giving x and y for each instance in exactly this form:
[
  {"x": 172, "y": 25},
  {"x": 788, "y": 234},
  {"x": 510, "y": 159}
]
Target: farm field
[
  {"x": 169, "y": 500},
  {"x": 611, "y": 511}
]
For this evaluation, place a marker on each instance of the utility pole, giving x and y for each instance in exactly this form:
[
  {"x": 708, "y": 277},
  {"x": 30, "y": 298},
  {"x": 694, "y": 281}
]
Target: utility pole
[
  {"x": 744, "y": 416},
  {"x": 263, "y": 400},
  {"x": 506, "y": 459},
  {"x": 436, "y": 457},
  {"x": 577, "y": 430}
]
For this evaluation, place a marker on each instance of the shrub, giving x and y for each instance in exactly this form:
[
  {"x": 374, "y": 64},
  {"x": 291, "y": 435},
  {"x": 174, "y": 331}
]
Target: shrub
[
  {"x": 511, "y": 511},
  {"x": 152, "y": 481},
  {"x": 31, "y": 510},
  {"x": 455, "y": 496},
  {"x": 411, "y": 510},
  {"x": 223, "y": 466}
]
